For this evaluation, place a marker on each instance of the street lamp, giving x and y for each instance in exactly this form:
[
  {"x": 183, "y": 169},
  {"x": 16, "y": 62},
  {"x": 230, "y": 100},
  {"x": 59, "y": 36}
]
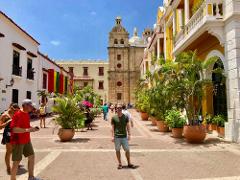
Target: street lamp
[{"x": 11, "y": 83}]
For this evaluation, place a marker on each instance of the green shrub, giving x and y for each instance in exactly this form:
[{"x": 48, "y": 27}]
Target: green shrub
[
  {"x": 174, "y": 119},
  {"x": 219, "y": 120},
  {"x": 209, "y": 119}
]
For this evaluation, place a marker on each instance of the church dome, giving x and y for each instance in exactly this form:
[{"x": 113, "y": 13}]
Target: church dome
[
  {"x": 118, "y": 29},
  {"x": 136, "y": 40}
]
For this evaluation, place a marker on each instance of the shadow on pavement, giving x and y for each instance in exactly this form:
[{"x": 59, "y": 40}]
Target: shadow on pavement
[
  {"x": 75, "y": 140},
  {"x": 21, "y": 171},
  {"x": 150, "y": 125},
  {"x": 209, "y": 142},
  {"x": 133, "y": 144},
  {"x": 135, "y": 167},
  {"x": 154, "y": 130}
]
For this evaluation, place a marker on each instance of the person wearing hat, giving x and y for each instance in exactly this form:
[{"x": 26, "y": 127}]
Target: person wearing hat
[
  {"x": 20, "y": 139},
  {"x": 121, "y": 135}
]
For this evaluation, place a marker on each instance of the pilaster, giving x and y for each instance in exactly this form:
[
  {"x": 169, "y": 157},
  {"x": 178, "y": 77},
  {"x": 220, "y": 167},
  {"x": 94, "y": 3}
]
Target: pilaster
[{"x": 232, "y": 55}]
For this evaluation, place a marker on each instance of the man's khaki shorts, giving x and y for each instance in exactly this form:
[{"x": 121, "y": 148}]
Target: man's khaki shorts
[{"x": 22, "y": 149}]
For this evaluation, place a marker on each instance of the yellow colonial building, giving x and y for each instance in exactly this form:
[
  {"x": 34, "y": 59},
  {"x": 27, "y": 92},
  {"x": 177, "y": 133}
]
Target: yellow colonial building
[{"x": 212, "y": 28}]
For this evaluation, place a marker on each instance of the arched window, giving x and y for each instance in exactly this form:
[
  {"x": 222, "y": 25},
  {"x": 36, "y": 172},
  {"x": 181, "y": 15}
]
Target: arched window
[
  {"x": 122, "y": 41},
  {"x": 115, "y": 41}
]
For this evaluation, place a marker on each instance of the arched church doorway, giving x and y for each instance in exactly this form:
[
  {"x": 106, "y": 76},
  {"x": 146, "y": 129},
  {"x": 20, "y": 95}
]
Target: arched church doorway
[{"x": 219, "y": 89}]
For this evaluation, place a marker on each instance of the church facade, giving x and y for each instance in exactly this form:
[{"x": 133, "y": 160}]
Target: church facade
[{"x": 125, "y": 56}]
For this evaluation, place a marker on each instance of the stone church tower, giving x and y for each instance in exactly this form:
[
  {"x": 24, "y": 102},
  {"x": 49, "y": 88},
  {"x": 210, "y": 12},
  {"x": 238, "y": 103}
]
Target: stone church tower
[{"x": 125, "y": 56}]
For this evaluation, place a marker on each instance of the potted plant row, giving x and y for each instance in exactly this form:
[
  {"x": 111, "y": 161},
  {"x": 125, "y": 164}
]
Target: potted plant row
[{"x": 180, "y": 84}]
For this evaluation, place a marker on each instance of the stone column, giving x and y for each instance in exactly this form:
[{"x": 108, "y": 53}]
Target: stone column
[
  {"x": 165, "y": 42},
  {"x": 174, "y": 22},
  {"x": 232, "y": 58},
  {"x": 180, "y": 16},
  {"x": 186, "y": 10}
]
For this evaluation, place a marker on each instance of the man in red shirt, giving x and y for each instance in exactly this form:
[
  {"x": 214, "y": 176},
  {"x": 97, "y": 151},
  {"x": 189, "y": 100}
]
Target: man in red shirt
[{"x": 20, "y": 139}]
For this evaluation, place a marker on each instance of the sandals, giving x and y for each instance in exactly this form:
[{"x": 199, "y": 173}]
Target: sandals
[
  {"x": 131, "y": 166},
  {"x": 120, "y": 166}
]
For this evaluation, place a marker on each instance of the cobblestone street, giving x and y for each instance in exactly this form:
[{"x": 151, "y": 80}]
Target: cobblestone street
[{"x": 91, "y": 156}]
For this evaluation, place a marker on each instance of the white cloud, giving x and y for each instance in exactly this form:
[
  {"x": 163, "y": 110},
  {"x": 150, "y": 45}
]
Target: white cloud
[
  {"x": 55, "y": 43},
  {"x": 93, "y": 13}
]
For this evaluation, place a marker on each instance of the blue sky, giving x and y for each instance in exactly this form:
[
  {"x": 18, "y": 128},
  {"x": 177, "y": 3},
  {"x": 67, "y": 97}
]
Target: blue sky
[{"x": 78, "y": 29}]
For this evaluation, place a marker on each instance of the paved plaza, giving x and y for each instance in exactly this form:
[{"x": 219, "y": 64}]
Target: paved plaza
[{"x": 91, "y": 156}]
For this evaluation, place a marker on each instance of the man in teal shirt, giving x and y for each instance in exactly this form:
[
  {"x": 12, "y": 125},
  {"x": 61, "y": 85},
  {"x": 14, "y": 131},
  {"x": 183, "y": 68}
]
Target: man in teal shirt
[
  {"x": 105, "y": 111},
  {"x": 121, "y": 135}
]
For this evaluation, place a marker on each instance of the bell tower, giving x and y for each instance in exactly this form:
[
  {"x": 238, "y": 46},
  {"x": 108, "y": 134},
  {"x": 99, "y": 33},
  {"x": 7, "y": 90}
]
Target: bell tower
[
  {"x": 118, "y": 53},
  {"x": 125, "y": 56}
]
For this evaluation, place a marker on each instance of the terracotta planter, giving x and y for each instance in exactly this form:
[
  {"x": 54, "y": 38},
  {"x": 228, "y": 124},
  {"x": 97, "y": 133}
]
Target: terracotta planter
[
  {"x": 212, "y": 127},
  {"x": 194, "y": 134},
  {"x": 144, "y": 116},
  {"x": 162, "y": 126},
  {"x": 66, "y": 134},
  {"x": 154, "y": 121},
  {"x": 150, "y": 118},
  {"x": 221, "y": 131},
  {"x": 177, "y": 132},
  {"x": 206, "y": 127}
]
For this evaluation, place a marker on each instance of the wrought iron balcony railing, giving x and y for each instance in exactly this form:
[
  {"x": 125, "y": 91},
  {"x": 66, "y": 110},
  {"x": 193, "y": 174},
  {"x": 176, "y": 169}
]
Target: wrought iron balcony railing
[
  {"x": 30, "y": 74},
  {"x": 16, "y": 70}
]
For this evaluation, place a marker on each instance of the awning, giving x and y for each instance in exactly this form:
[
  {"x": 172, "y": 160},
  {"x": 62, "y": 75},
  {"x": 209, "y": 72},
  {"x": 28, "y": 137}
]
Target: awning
[
  {"x": 19, "y": 46},
  {"x": 31, "y": 54},
  {"x": 2, "y": 35}
]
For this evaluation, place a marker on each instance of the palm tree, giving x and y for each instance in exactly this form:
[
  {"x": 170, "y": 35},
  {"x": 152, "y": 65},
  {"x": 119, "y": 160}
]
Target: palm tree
[
  {"x": 191, "y": 72},
  {"x": 43, "y": 95}
]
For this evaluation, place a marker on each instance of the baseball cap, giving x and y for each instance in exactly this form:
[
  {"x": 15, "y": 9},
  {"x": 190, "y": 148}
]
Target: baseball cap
[
  {"x": 27, "y": 102},
  {"x": 34, "y": 105}
]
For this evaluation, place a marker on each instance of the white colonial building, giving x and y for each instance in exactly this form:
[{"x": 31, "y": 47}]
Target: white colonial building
[{"x": 23, "y": 69}]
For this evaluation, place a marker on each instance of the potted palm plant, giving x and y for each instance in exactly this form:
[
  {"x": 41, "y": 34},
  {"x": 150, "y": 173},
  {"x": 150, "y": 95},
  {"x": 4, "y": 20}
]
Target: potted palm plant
[
  {"x": 192, "y": 85},
  {"x": 176, "y": 122},
  {"x": 70, "y": 117}
]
